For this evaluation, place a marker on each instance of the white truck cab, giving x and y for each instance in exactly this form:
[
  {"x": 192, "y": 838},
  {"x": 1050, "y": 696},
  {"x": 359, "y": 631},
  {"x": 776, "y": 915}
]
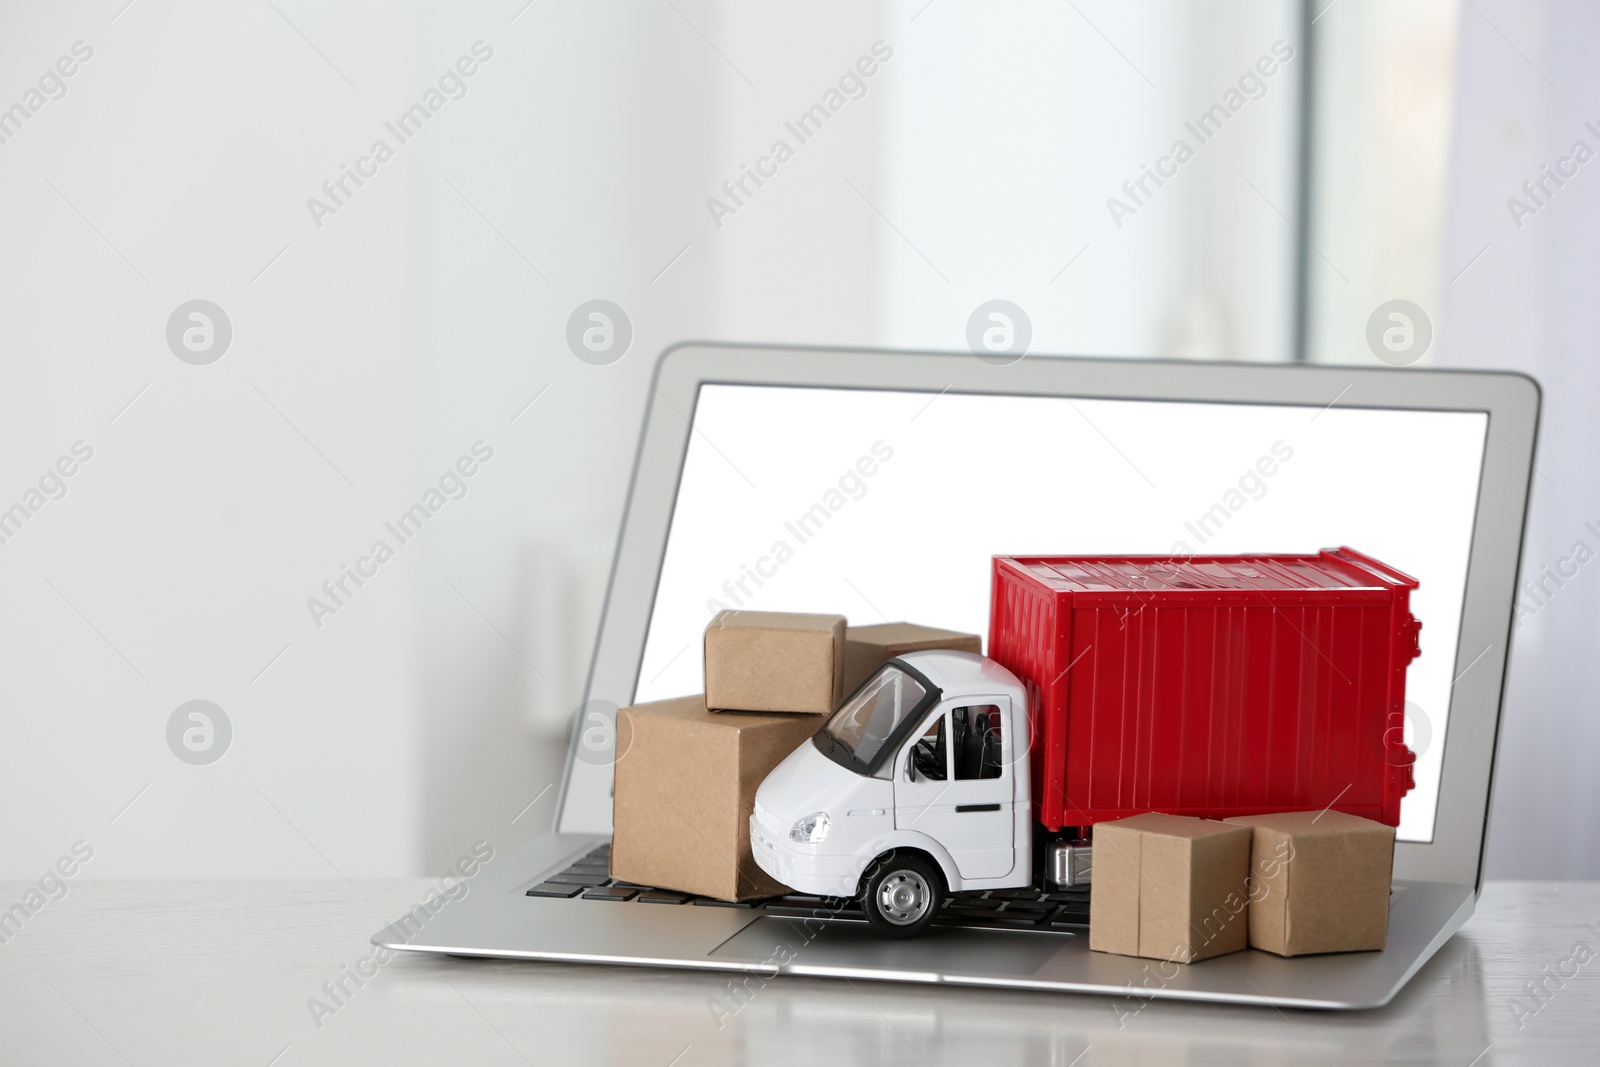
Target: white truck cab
[{"x": 916, "y": 787}]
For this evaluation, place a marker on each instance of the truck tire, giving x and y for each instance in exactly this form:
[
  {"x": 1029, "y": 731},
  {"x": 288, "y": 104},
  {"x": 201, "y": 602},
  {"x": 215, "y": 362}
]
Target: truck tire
[{"x": 901, "y": 894}]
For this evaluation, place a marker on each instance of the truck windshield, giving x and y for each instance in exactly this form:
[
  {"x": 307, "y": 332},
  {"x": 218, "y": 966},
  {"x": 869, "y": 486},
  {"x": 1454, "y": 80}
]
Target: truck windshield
[{"x": 864, "y": 729}]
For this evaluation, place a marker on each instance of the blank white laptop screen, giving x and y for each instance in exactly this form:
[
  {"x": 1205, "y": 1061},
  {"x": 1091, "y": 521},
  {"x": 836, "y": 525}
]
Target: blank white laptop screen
[{"x": 886, "y": 506}]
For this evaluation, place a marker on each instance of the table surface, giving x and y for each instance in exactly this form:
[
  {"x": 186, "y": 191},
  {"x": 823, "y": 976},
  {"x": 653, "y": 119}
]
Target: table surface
[{"x": 227, "y": 972}]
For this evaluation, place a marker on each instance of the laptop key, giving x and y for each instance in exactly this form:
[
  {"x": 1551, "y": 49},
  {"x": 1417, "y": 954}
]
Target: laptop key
[
  {"x": 610, "y": 892},
  {"x": 976, "y": 902},
  {"x": 552, "y": 889},
  {"x": 1069, "y": 896},
  {"x": 1028, "y": 907},
  {"x": 707, "y": 902},
  {"x": 1073, "y": 916},
  {"x": 656, "y": 896},
  {"x": 1014, "y": 894},
  {"x": 586, "y": 880},
  {"x": 1016, "y": 919}
]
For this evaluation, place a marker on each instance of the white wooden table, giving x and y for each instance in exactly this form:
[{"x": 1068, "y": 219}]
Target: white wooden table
[{"x": 155, "y": 973}]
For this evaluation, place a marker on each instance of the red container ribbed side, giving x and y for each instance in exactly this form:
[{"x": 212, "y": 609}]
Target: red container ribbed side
[{"x": 1178, "y": 686}]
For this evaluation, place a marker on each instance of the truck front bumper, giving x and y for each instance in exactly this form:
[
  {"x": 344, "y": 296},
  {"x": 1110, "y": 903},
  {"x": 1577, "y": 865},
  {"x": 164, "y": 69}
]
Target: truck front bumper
[{"x": 804, "y": 872}]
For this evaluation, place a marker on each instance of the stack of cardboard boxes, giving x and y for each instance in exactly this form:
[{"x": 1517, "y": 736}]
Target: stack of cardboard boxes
[
  {"x": 1182, "y": 889},
  {"x": 688, "y": 769}
]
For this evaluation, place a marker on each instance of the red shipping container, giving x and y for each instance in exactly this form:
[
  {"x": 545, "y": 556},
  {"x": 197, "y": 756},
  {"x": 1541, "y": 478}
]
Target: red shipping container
[{"x": 1211, "y": 686}]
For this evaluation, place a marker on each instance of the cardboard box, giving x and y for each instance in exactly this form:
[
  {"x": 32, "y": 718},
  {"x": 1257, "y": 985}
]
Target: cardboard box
[
  {"x": 686, "y": 781},
  {"x": 775, "y": 661},
  {"x": 1169, "y": 887},
  {"x": 1319, "y": 882},
  {"x": 866, "y": 648}
]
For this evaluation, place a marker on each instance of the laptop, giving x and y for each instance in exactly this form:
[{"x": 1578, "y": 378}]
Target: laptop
[{"x": 879, "y": 485}]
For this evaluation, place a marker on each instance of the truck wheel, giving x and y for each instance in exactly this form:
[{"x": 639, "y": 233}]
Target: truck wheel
[{"x": 902, "y": 894}]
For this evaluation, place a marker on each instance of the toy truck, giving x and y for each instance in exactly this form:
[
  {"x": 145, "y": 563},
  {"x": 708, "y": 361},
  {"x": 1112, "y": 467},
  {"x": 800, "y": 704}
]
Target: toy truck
[{"x": 1204, "y": 686}]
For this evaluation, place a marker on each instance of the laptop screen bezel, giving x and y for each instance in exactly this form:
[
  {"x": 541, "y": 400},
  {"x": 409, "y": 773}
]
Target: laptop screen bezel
[{"x": 1510, "y": 401}]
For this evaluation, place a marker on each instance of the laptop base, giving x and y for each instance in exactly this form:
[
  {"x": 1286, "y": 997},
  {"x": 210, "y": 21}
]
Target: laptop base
[{"x": 497, "y": 919}]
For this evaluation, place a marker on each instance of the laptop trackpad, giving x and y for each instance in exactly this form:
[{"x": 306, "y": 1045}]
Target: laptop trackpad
[{"x": 800, "y": 946}]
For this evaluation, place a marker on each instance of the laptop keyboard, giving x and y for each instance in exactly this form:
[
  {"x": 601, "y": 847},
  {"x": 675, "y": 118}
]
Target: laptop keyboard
[{"x": 589, "y": 878}]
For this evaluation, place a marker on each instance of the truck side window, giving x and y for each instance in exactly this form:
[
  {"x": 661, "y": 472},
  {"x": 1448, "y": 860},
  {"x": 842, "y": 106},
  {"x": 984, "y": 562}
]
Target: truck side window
[
  {"x": 928, "y": 754},
  {"x": 976, "y": 740}
]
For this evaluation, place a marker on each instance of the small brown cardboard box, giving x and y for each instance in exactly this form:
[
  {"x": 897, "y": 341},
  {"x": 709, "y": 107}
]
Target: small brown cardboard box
[
  {"x": 1169, "y": 888},
  {"x": 686, "y": 781},
  {"x": 866, "y": 648},
  {"x": 774, "y": 661},
  {"x": 1319, "y": 882}
]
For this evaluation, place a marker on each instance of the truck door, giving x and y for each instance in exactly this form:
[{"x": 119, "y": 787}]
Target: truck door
[{"x": 954, "y": 782}]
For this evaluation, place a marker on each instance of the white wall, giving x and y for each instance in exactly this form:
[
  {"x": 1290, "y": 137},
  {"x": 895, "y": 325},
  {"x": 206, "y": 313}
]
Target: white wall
[
  {"x": 424, "y": 314},
  {"x": 1526, "y": 85},
  {"x": 218, "y": 497},
  {"x": 1010, "y": 131},
  {"x": 1385, "y": 104}
]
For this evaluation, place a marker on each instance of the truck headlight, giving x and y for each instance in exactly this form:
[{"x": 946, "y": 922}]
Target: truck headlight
[{"x": 810, "y": 830}]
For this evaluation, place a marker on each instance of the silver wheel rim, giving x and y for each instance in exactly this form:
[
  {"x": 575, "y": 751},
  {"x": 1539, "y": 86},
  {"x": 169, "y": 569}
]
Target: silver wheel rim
[{"x": 904, "y": 897}]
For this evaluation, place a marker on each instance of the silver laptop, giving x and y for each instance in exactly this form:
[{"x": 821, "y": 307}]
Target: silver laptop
[{"x": 879, "y": 484}]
